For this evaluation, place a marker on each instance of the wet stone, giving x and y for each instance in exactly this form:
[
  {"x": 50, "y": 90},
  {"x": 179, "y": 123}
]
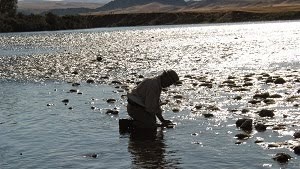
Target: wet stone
[
  {"x": 65, "y": 101},
  {"x": 116, "y": 82},
  {"x": 279, "y": 80},
  {"x": 296, "y": 134},
  {"x": 111, "y": 100},
  {"x": 279, "y": 128},
  {"x": 90, "y": 81},
  {"x": 275, "y": 96},
  {"x": 247, "y": 125},
  {"x": 254, "y": 101},
  {"x": 213, "y": 108},
  {"x": 261, "y": 96},
  {"x": 99, "y": 58},
  {"x": 245, "y": 111},
  {"x": 237, "y": 98},
  {"x": 297, "y": 150},
  {"x": 269, "y": 101},
  {"x": 239, "y": 122},
  {"x": 266, "y": 113},
  {"x": 208, "y": 115},
  {"x": 175, "y": 110},
  {"x": 273, "y": 145},
  {"x": 260, "y": 127},
  {"x": 242, "y": 136},
  {"x": 248, "y": 84},
  {"x": 270, "y": 80},
  {"x": 258, "y": 141},
  {"x": 198, "y": 106},
  {"x": 73, "y": 90},
  {"x": 282, "y": 157},
  {"x": 113, "y": 112},
  {"x": 178, "y": 97},
  {"x": 75, "y": 84}
]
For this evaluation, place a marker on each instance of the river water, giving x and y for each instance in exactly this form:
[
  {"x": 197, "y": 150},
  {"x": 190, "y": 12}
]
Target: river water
[{"x": 217, "y": 64}]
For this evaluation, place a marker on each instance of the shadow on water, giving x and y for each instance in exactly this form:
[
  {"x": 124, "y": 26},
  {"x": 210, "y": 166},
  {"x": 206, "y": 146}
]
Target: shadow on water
[{"x": 149, "y": 150}]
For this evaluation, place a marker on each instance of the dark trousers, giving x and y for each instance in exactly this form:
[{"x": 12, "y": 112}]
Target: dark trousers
[{"x": 142, "y": 119}]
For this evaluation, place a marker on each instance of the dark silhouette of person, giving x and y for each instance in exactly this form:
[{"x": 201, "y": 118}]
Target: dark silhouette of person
[{"x": 144, "y": 103}]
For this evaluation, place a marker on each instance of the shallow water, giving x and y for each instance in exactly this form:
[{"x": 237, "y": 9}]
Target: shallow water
[{"x": 39, "y": 131}]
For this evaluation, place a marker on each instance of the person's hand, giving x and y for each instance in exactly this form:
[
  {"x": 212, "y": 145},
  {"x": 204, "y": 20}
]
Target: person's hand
[{"x": 167, "y": 122}]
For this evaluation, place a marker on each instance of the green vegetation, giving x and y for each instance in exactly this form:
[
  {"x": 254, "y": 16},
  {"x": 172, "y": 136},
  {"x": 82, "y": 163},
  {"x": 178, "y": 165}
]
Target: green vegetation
[
  {"x": 20, "y": 22},
  {"x": 8, "y": 7}
]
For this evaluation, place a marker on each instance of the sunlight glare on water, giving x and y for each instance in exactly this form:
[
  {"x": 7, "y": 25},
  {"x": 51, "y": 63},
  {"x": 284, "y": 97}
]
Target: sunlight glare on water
[{"x": 222, "y": 68}]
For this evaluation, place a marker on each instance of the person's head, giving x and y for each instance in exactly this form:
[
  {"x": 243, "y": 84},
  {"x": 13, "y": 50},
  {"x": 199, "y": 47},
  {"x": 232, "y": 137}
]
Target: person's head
[{"x": 168, "y": 78}]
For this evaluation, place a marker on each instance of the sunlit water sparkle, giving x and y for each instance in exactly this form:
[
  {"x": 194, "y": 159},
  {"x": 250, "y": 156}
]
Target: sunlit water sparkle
[{"x": 35, "y": 68}]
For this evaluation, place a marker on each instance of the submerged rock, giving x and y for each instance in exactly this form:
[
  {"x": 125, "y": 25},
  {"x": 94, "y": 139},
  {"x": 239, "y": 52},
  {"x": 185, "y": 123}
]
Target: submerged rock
[{"x": 282, "y": 157}]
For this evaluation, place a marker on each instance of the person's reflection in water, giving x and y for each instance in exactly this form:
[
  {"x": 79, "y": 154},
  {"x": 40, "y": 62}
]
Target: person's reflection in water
[{"x": 148, "y": 150}]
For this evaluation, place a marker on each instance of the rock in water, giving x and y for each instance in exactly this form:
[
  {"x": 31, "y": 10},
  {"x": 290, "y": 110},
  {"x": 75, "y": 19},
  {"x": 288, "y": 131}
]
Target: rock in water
[
  {"x": 247, "y": 125},
  {"x": 260, "y": 127},
  {"x": 282, "y": 157}
]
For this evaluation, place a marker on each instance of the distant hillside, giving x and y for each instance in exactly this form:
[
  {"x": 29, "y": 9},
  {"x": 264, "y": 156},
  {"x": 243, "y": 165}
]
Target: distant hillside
[
  {"x": 148, "y": 6},
  {"x": 129, "y": 3},
  {"x": 38, "y": 7}
]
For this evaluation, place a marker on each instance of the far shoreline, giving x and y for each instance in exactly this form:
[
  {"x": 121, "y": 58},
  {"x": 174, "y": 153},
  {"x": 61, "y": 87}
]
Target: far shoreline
[{"x": 51, "y": 22}]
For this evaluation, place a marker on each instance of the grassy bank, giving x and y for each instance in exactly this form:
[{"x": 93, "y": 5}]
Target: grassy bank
[{"x": 21, "y": 23}]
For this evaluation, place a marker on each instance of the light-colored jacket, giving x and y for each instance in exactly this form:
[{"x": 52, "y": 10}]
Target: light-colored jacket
[{"x": 148, "y": 91}]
